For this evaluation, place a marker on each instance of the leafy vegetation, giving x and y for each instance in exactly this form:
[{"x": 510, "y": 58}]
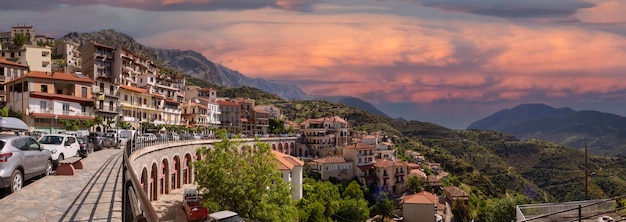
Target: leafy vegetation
[{"x": 247, "y": 182}]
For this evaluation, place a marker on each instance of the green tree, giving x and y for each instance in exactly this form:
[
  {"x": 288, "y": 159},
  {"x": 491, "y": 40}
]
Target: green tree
[
  {"x": 4, "y": 112},
  {"x": 19, "y": 39},
  {"x": 501, "y": 209},
  {"x": 247, "y": 183},
  {"x": 276, "y": 126},
  {"x": 69, "y": 124},
  {"x": 88, "y": 123},
  {"x": 353, "y": 206},
  {"x": 415, "y": 183},
  {"x": 460, "y": 211},
  {"x": 123, "y": 124},
  {"x": 384, "y": 206},
  {"x": 320, "y": 201}
]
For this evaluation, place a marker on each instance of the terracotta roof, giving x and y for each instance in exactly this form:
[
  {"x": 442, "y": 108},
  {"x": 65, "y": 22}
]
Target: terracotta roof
[
  {"x": 134, "y": 89},
  {"x": 259, "y": 110},
  {"x": 171, "y": 101},
  {"x": 7, "y": 62},
  {"x": 366, "y": 167},
  {"x": 68, "y": 98},
  {"x": 226, "y": 103},
  {"x": 413, "y": 165},
  {"x": 330, "y": 159},
  {"x": 202, "y": 106},
  {"x": 179, "y": 76},
  {"x": 423, "y": 197},
  {"x": 419, "y": 173},
  {"x": 285, "y": 161},
  {"x": 360, "y": 146},
  {"x": 205, "y": 89},
  {"x": 157, "y": 95},
  {"x": 54, "y": 76},
  {"x": 384, "y": 163},
  {"x": 455, "y": 192},
  {"x": 102, "y": 45}
]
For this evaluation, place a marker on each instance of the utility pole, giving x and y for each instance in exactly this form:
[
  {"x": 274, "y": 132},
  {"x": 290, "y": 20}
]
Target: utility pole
[{"x": 586, "y": 173}]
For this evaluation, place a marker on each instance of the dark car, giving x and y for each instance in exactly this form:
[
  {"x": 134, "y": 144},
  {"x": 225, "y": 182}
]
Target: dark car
[
  {"x": 85, "y": 145},
  {"x": 99, "y": 140}
]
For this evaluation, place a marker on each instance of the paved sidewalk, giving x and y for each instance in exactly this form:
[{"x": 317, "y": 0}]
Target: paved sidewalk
[{"x": 93, "y": 194}]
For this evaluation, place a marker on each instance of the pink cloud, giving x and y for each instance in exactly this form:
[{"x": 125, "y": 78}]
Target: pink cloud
[
  {"x": 387, "y": 58},
  {"x": 611, "y": 11}
]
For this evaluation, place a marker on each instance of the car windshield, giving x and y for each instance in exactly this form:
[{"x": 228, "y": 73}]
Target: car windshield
[
  {"x": 235, "y": 218},
  {"x": 56, "y": 140}
]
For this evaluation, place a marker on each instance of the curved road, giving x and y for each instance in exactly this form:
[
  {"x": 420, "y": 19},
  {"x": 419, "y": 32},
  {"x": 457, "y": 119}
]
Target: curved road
[{"x": 90, "y": 195}]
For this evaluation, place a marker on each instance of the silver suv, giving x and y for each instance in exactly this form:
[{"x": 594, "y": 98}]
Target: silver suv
[{"x": 21, "y": 157}]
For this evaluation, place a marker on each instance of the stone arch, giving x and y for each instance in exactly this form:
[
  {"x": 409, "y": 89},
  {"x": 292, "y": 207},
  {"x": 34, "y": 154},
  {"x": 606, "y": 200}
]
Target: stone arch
[
  {"x": 280, "y": 147},
  {"x": 176, "y": 172},
  {"x": 153, "y": 183},
  {"x": 163, "y": 177},
  {"x": 292, "y": 148},
  {"x": 273, "y": 146},
  {"x": 144, "y": 181},
  {"x": 286, "y": 145},
  {"x": 187, "y": 169}
]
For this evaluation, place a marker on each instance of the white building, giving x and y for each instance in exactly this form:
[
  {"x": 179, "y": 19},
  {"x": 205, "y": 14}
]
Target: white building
[
  {"x": 68, "y": 51},
  {"x": 36, "y": 58},
  {"x": 291, "y": 169}
]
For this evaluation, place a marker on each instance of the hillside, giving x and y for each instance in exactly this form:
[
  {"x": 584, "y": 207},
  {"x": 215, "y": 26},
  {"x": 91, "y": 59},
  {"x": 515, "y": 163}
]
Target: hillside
[{"x": 604, "y": 133}]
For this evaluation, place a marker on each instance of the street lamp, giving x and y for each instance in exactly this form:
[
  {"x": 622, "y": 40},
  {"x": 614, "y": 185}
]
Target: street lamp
[{"x": 117, "y": 124}]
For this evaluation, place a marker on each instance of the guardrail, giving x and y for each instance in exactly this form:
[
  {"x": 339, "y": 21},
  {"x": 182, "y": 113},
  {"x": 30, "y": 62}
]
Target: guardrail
[{"x": 136, "y": 205}]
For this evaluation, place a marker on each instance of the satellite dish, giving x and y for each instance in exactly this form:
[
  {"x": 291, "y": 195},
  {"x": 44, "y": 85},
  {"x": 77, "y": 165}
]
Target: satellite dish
[{"x": 196, "y": 100}]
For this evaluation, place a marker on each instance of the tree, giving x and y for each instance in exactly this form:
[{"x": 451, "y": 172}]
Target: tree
[
  {"x": 415, "y": 183},
  {"x": 247, "y": 183},
  {"x": 276, "y": 126},
  {"x": 69, "y": 124},
  {"x": 19, "y": 39},
  {"x": 384, "y": 206},
  {"x": 460, "y": 211},
  {"x": 353, "y": 206},
  {"x": 4, "y": 112},
  {"x": 123, "y": 124},
  {"x": 320, "y": 201},
  {"x": 501, "y": 209}
]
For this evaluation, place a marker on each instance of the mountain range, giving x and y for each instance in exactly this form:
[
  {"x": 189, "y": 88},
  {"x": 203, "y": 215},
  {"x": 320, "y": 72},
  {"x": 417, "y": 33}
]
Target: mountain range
[
  {"x": 194, "y": 64},
  {"x": 604, "y": 133}
]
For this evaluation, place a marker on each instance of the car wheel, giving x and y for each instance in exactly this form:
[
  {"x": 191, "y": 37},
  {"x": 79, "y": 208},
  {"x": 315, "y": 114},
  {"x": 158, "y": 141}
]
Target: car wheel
[
  {"x": 16, "y": 181},
  {"x": 48, "y": 168}
]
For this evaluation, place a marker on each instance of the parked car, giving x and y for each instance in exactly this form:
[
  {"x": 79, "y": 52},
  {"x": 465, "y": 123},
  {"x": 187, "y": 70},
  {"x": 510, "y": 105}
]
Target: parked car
[
  {"x": 173, "y": 136},
  {"x": 99, "y": 140},
  {"x": 37, "y": 134},
  {"x": 224, "y": 216},
  {"x": 149, "y": 137},
  {"x": 60, "y": 146},
  {"x": 85, "y": 146},
  {"x": 20, "y": 152},
  {"x": 113, "y": 140},
  {"x": 193, "y": 207}
]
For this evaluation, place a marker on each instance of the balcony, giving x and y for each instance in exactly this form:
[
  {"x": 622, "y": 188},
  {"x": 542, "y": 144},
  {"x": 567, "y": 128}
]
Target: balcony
[{"x": 64, "y": 113}]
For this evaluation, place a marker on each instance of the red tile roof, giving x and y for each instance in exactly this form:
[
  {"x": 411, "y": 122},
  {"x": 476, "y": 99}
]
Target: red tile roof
[
  {"x": 68, "y": 98},
  {"x": 134, "y": 89},
  {"x": 171, "y": 101},
  {"x": 54, "y": 76},
  {"x": 7, "y": 62},
  {"x": 360, "y": 146},
  {"x": 423, "y": 197},
  {"x": 384, "y": 163},
  {"x": 285, "y": 161},
  {"x": 330, "y": 159}
]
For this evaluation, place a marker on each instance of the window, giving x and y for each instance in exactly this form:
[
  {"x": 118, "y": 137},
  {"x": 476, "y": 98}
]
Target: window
[
  {"x": 21, "y": 143},
  {"x": 111, "y": 89},
  {"x": 84, "y": 92},
  {"x": 66, "y": 107},
  {"x": 101, "y": 87},
  {"x": 43, "y": 105},
  {"x": 125, "y": 97},
  {"x": 33, "y": 144}
]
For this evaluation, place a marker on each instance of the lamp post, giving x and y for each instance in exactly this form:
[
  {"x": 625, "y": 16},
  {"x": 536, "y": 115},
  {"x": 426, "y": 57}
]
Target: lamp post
[{"x": 56, "y": 117}]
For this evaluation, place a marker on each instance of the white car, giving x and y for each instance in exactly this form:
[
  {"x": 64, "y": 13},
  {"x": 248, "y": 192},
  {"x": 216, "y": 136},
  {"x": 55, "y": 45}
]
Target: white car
[{"x": 61, "y": 146}]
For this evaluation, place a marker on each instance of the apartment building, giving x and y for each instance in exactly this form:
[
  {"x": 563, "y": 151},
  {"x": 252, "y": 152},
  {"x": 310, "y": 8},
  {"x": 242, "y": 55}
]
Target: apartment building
[
  {"x": 213, "y": 111},
  {"x": 26, "y": 30},
  {"x": 171, "y": 109},
  {"x": 324, "y": 136},
  {"x": 392, "y": 175},
  {"x": 363, "y": 156},
  {"x": 246, "y": 114},
  {"x": 333, "y": 166},
  {"x": 136, "y": 104},
  {"x": 44, "y": 98},
  {"x": 8, "y": 71},
  {"x": 196, "y": 91},
  {"x": 36, "y": 58},
  {"x": 261, "y": 121},
  {"x": 68, "y": 53},
  {"x": 196, "y": 114},
  {"x": 272, "y": 111},
  {"x": 97, "y": 63},
  {"x": 384, "y": 150},
  {"x": 291, "y": 170},
  {"x": 421, "y": 207},
  {"x": 230, "y": 116}
]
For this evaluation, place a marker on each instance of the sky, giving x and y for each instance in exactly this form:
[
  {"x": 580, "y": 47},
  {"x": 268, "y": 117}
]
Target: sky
[{"x": 449, "y": 62}]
